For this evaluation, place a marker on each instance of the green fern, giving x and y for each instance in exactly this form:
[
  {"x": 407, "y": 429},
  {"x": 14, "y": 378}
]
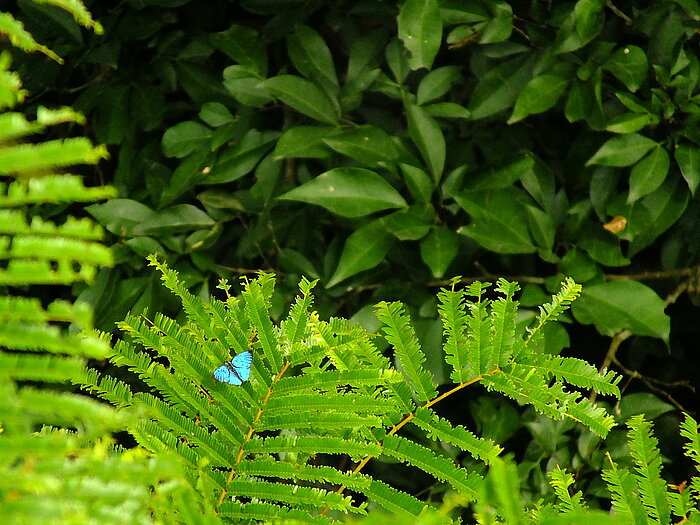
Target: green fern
[
  {"x": 321, "y": 387},
  {"x": 58, "y": 463}
]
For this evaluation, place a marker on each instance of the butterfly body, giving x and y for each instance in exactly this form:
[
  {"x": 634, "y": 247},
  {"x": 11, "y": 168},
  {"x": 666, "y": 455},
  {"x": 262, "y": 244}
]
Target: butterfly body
[{"x": 235, "y": 371}]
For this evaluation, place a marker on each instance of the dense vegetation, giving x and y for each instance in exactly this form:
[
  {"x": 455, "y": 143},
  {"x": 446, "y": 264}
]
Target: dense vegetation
[{"x": 380, "y": 149}]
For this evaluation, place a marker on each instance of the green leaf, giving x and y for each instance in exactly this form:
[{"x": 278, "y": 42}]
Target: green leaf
[
  {"x": 688, "y": 159},
  {"x": 364, "y": 249},
  {"x": 419, "y": 183},
  {"x": 312, "y": 58},
  {"x": 244, "y": 45},
  {"x": 541, "y": 227},
  {"x": 304, "y": 96},
  {"x": 655, "y": 213},
  {"x": 623, "y": 305},
  {"x": 631, "y": 122},
  {"x": 348, "y": 192},
  {"x": 420, "y": 28},
  {"x": 183, "y": 138},
  {"x": 648, "y": 174},
  {"x": 500, "y": 86},
  {"x": 642, "y": 403},
  {"x": 244, "y": 85},
  {"x": 621, "y": 151},
  {"x": 428, "y": 138},
  {"x": 175, "y": 219},
  {"x": 539, "y": 94},
  {"x": 436, "y": 83},
  {"x": 368, "y": 144},
  {"x": 447, "y": 109},
  {"x": 410, "y": 224},
  {"x": 236, "y": 162},
  {"x": 629, "y": 64},
  {"x": 303, "y": 141},
  {"x": 497, "y": 220},
  {"x": 215, "y": 114},
  {"x": 120, "y": 216},
  {"x": 439, "y": 249}
]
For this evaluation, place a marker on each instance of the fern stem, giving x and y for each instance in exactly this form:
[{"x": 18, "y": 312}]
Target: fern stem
[{"x": 249, "y": 435}]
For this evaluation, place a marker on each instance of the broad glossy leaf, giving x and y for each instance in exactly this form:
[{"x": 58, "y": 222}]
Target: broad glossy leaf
[
  {"x": 498, "y": 221},
  {"x": 688, "y": 159},
  {"x": 427, "y": 136},
  {"x": 348, "y": 192},
  {"x": 624, "y": 150},
  {"x": 602, "y": 246},
  {"x": 185, "y": 137},
  {"x": 629, "y": 64},
  {"x": 501, "y": 176},
  {"x": 623, "y": 305},
  {"x": 245, "y": 85},
  {"x": 438, "y": 249},
  {"x": 436, "y": 83},
  {"x": 304, "y": 141},
  {"x": 187, "y": 175},
  {"x": 420, "y": 28},
  {"x": 236, "y": 162},
  {"x": 304, "y": 96},
  {"x": 215, "y": 114},
  {"x": 539, "y": 94},
  {"x": 499, "y": 87},
  {"x": 120, "y": 216},
  {"x": 541, "y": 227},
  {"x": 649, "y": 173},
  {"x": 447, "y": 109},
  {"x": 419, "y": 183},
  {"x": 243, "y": 45},
  {"x": 654, "y": 214},
  {"x": 368, "y": 144},
  {"x": 631, "y": 122},
  {"x": 364, "y": 249},
  {"x": 312, "y": 58},
  {"x": 410, "y": 224},
  {"x": 581, "y": 26},
  {"x": 175, "y": 219}
]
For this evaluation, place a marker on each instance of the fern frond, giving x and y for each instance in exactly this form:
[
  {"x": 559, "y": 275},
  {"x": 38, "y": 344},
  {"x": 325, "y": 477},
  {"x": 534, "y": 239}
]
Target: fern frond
[
  {"x": 78, "y": 11},
  {"x": 625, "y": 500},
  {"x": 26, "y": 158},
  {"x": 395, "y": 501},
  {"x": 304, "y": 497},
  {"x": 645, "y": 453},
  {"x": 453, "y": 314},
  {"x": 269, "y": 513},
  {"x": 256, "y": 308},
  {"x": 400, "y": 334},
  {"x": 503, "y": 323},
  {"x": 691, "y": 432},
  {"x": 480, "y": 348},
  {"x": 312, "y": 445},
  {"x": 295, "y": 327},
  {"x": 578, "y": 373},
  {"x": 561, "y": 480},
  {"x": 330, "y": 421},
  {"x": 425, "y": 459},
  {"x": 21, "y": 38},
  {"x": 523, "y": 384},
  {"x": 551, "y": 311},
  {"x": 438, "y": 428},
  {"x": 333, "y": 379},
  {"x": 279, "y": 469}
]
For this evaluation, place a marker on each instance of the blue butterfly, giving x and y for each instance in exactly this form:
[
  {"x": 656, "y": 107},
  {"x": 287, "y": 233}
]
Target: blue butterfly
[{"x": 235, "y": 371}]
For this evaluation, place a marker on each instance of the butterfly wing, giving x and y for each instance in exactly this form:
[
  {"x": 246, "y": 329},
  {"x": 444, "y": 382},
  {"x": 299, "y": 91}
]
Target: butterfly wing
[
  {"x": 241, "y": 364},
  {"x": 235, "y": 371}
]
